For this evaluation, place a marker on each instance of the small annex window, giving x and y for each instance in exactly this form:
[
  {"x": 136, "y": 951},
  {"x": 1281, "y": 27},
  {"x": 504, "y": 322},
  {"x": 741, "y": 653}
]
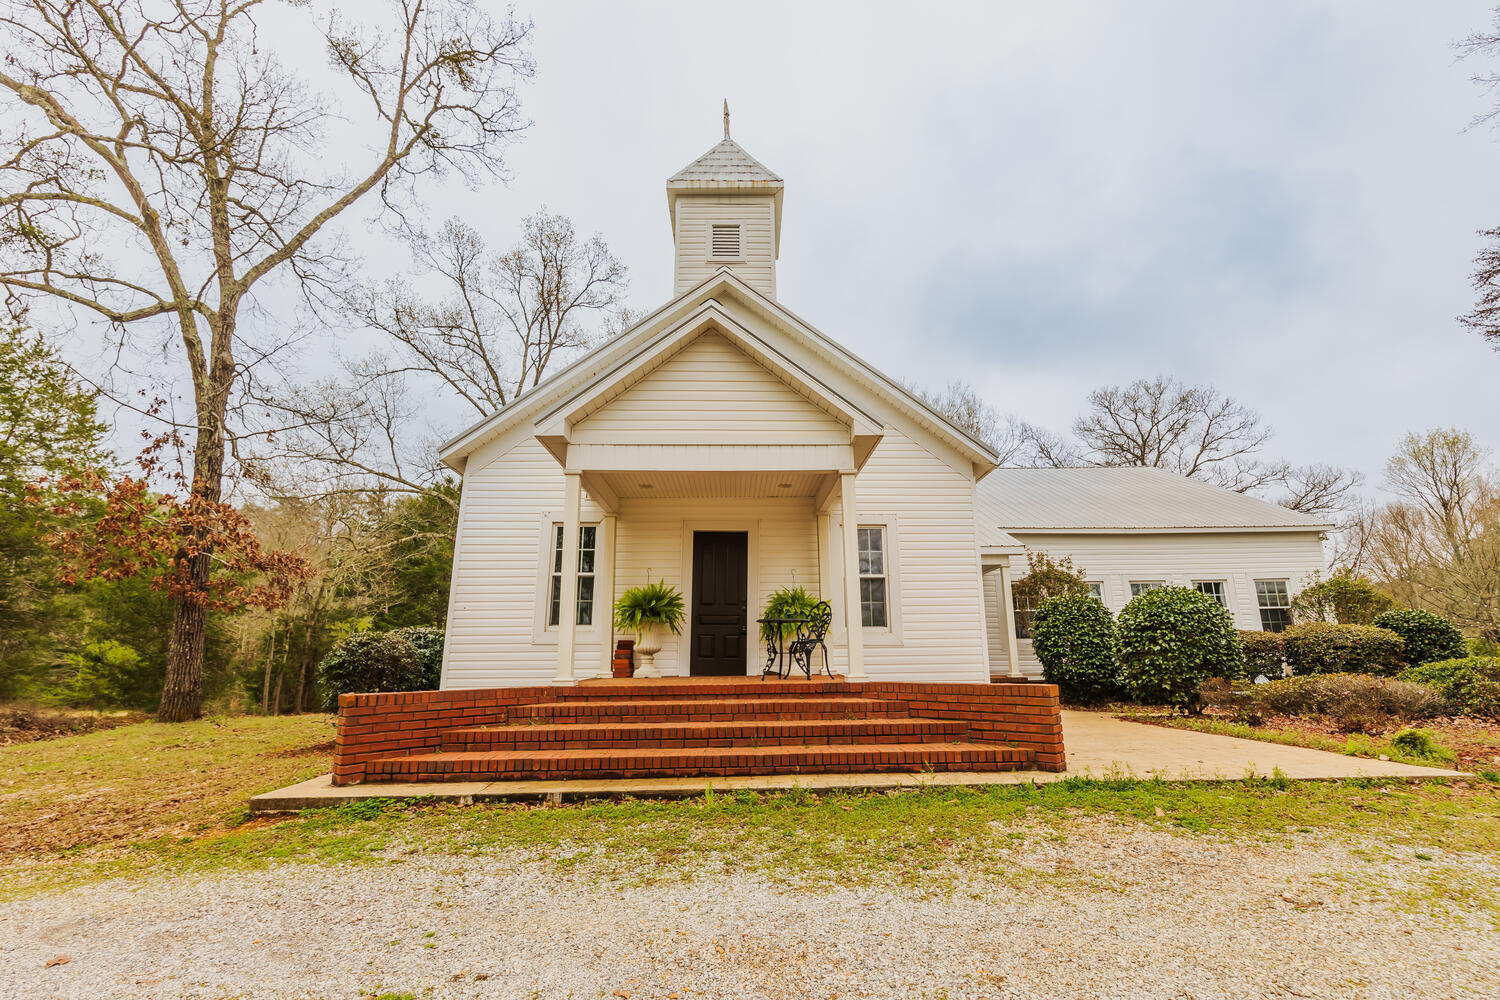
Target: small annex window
[
  {"x": 1096, "y": 591},
  {"x": 1214, "y": 589},
  {"x": 1275, "y": 605},
  {"x": 1139, "y": 587},
  {"x": 724, "y": 241}
]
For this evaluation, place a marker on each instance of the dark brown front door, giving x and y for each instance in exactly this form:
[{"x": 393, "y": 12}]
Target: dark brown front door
[{"x": 720, "y": 582}]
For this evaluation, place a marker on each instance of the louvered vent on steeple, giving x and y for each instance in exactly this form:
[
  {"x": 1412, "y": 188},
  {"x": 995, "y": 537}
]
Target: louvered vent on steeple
[{"x": 725, "y": 241}]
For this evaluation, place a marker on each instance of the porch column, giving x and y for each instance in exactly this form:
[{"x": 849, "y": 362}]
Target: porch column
[
  {"x": 604, "y": 593},
  {"x": 851, "y": 578},
  {"x": 1007, "y": 599},
  {"x": 567, "y": 609}
]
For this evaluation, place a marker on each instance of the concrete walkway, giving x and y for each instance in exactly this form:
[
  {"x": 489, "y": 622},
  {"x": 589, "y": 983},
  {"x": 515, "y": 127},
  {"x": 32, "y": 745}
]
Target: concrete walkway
[{"x": 1098, "y": 746}]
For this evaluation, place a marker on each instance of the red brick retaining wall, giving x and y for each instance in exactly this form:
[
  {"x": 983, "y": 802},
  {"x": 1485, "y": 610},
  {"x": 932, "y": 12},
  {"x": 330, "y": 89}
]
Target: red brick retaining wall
[{"x": 1026, "y": 715}]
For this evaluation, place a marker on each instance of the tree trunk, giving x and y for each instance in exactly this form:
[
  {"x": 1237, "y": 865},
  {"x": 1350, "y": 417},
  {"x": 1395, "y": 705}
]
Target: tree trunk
[{"x": 182, "y": 692}]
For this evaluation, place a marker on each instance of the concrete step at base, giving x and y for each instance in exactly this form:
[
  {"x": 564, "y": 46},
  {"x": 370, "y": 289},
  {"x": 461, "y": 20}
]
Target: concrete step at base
[
  {"x": 675, "y": 734},
  {"x": 705, "y": 761}
]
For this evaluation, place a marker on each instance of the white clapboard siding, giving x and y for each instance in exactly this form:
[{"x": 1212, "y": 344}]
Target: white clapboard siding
[
  {"x": 755, "y": 216},
  {"x": 497, "y": 569},
  {"x": 927, "y": 507},
  {"x": 710, "y": 392},
  {"x": 1179, "y": 559}
]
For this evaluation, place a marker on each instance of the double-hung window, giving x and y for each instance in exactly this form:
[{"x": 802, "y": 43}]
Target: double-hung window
[
  {"x": 587, "y": 538},
  {"x": 1096, "y": 591},
  {"x": 1275, "y": 605},
  {"x": 1025, "y": 607},
  {"x": 1214, "y": 589},
  {"x": 874, "y": 578}
]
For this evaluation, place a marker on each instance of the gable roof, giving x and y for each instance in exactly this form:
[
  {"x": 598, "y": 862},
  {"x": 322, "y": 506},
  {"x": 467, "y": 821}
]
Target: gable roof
[
  {"x": 1125, "y": 499},
  {"x": 726, "y": 163},
  {"x": 724, "y": 290}
]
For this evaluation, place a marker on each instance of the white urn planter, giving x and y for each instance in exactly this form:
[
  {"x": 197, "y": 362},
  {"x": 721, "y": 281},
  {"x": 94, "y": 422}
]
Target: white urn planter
[{"x": 647, "y": 645}]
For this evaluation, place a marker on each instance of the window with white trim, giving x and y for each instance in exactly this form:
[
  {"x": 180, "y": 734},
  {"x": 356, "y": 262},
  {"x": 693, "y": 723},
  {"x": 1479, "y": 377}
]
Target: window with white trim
[
  {"x": 1139, "y": 587},
  {"x": 588, "y": 535},
  {"x": 1096, "y": 591},
  {"x": 1214, "y": 589},
  {"x": 1275, "y": 605},
  {"x": 724, "y": 241},
  {"x": 874, "y": 578},
  {"x": 1025, "y": 608}
]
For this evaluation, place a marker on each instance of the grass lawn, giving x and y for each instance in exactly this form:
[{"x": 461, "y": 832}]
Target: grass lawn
[
  {"x": 151, "y": 799},
  {"x": 1465, "y": 744}
]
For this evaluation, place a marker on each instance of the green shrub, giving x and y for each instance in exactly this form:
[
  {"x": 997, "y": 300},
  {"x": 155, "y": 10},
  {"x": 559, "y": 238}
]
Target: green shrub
[
  {"x": 370, "y": 662},
  {"x": 1428, "y": 636},
  {"x": 1170, "y": 641},
  {"x": 1352, "y": 702},
  {"x": 428, "y": 642},
  {"x": 787, "y": 602},
  {"x": 1344, "y": 598},
  {"x": 1074, "y": 637},
  {"x": 1469, "y": 685},
  {"x": 1323, "y": 648},
  {"x": 1264, "y": 653},
  {"x": 1417, "y": 743}
]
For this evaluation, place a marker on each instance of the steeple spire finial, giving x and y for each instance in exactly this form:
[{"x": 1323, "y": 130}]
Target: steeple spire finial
[{"x": 726, "y": 118}]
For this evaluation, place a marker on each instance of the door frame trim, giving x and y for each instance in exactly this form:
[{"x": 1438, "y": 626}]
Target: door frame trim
[{"x": 751, "y": 528}]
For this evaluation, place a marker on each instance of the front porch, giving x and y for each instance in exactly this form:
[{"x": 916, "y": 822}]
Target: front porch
[{"x": 696, "y": 728}]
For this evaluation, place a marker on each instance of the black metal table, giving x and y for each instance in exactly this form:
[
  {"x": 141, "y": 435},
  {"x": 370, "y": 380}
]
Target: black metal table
[{"x": 776, "y": 645}]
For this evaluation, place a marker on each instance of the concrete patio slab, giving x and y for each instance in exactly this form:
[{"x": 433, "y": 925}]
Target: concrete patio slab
[{"x": 1098, "y": 745}]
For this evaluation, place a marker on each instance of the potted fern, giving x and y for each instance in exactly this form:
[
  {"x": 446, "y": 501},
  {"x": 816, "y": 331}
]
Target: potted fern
[
  {"x": 646, "y": 610},
  {"x": 786, "y": 602}
]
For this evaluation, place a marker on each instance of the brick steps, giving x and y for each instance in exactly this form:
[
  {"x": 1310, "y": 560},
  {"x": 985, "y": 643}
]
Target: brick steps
[
  {"x": 705, "y": 689},
  {"x": 622, "y": 710},
  {"x": 704, "y": 761},
  {"x": 689, "y": 734}
]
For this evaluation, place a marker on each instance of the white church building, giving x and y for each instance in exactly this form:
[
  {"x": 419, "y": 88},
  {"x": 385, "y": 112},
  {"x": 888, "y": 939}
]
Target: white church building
[{"x": 727, "y": 446}]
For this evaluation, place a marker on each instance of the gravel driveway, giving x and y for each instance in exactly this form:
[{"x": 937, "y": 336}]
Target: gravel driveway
[{"x": 1112, "y": 910}]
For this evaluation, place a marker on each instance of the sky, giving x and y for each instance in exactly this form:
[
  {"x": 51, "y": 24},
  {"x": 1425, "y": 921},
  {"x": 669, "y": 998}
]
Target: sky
[{"x": 1278, "y": 199}]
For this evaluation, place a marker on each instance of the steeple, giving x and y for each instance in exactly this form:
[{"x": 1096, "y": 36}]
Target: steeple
[{"x": 725, "y": 209}]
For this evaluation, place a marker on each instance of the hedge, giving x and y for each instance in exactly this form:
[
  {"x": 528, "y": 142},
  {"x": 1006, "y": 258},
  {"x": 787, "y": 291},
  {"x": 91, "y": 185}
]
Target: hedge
[
  {"x": 1265, "y": 653},
  {"x": 1170, "y": 641},
  {"x": 1074, "y": 637},
  {"x": 1325, "y": 648},
  {"x": 1470, "y": 684},
  {"x": 1428, "y": 637}
]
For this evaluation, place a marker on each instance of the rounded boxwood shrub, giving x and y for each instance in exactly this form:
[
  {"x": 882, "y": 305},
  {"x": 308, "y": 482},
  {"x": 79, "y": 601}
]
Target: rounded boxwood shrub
[
  {"x": 1074, "y": 637},
  {"x": 1265, "y": 654},
  {"x": 1325, "y": 648},
  {"x": 1428, "y": 636},
  {"x": 1469, "y": 685},
  {"x": 428, "y": 643},
  {"x": 1170, "y": 641},
  {"x": 369, "y": 662}
]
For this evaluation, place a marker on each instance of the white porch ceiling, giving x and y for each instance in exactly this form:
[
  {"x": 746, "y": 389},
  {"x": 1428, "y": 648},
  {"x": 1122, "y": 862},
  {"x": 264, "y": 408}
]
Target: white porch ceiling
[{"x": 713, "y": 485}]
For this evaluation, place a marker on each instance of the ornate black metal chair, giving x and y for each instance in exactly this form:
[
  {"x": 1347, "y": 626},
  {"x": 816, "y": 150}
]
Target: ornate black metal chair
[{"x": 801, "y": 648}]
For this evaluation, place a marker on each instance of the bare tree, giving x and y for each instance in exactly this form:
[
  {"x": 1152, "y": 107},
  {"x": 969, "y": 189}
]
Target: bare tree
[
  {"x": 1195, "y": 431},
  {"x": 500, "y": 324},
  {"x": 1484, "y": 318},
  {"x": 1438, "y": 546},
  {"x": 961, "y": 403},
  {"x": 164, "y": 163},
  {"x": 503, "y": 318}
]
